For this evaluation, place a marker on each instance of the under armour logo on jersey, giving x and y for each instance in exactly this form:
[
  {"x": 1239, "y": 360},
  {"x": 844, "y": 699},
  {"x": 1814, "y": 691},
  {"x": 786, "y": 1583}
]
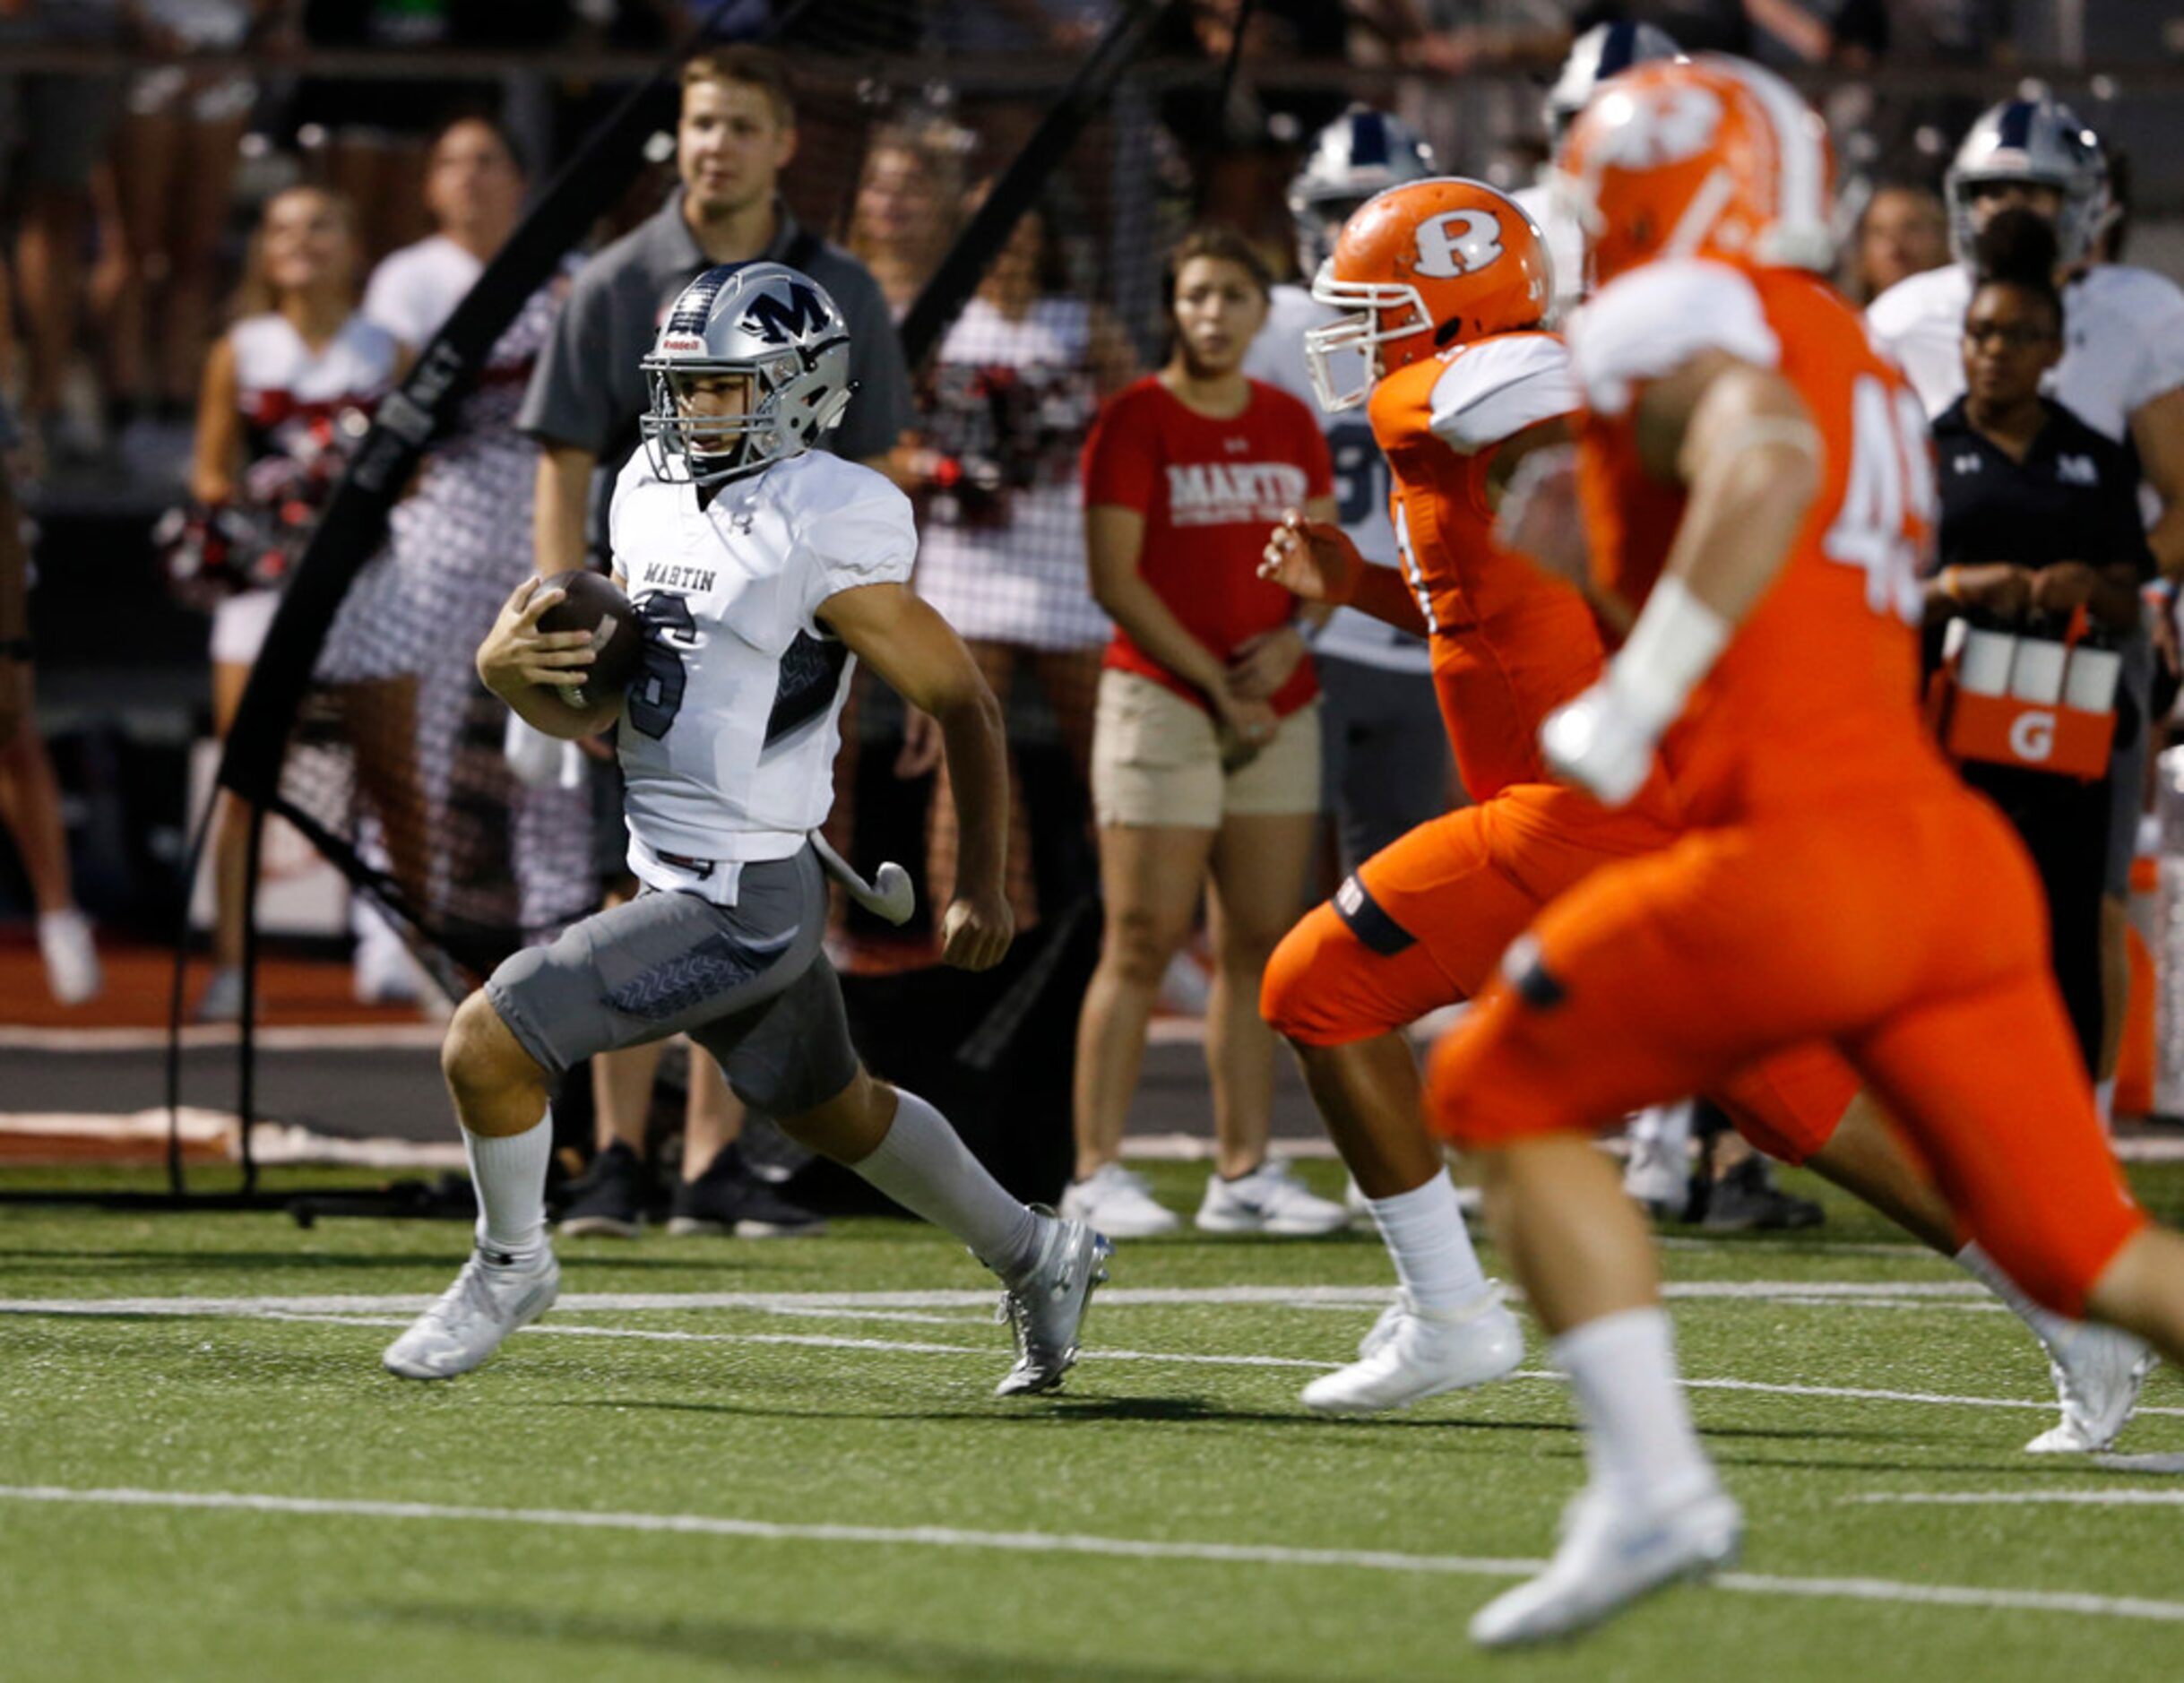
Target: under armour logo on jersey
[
  {"x": 2076, "y": 471},
  {"x": 1968, "y": 462},
  {"x": 1236, "y": 447},
  {"x": 1662, "y": 126},
  {"x": 780, "y": 317},
  {"x": 1457, "y": 243}
]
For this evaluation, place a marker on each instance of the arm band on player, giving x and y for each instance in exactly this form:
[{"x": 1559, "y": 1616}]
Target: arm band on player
[{"x": 1671, "y": 650}]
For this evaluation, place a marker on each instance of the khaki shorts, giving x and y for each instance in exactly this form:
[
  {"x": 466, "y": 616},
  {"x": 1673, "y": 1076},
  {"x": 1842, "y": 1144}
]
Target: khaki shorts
[{"x": 1155, "y": 762}]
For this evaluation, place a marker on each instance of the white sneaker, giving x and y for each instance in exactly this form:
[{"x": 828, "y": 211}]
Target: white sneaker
[
  {"x": 2098, "y": 1375},
  {"x": 1413, "y": 1353},
  {"x": 488, "y": 1300},
  {"x": 72, "y": 975},
  {"x": 1270, "y": 1199},
  {"x": 1612, "y": 1553},
  {"x": 1045, "y": 1308},
  {"x": 1119, "y": 1203},
  {"x": 222, "y": 999}
]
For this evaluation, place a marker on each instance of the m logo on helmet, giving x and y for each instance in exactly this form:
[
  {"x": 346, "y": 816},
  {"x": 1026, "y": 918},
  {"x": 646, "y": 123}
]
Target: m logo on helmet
[
  {"x": 1661, "y": 125},
  {"x": 781, "y": 320},
  {"x": 1457, "y": 243}
]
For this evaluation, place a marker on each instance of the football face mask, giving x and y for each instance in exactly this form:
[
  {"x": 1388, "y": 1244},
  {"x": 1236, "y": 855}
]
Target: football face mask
[{"x": 750, "y": 368}]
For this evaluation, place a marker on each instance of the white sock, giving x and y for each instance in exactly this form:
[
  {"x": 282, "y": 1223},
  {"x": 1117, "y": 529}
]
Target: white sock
[
  {"x": 510, "y": 1175},
  {"x": 1423, "y": 1231},
  {"x": 1667, "y": 1125},
  {"x": 1639, "y": 1439},
  {"x": 2052, "y": 1330},
  {"x": 924, "y": 1167}
]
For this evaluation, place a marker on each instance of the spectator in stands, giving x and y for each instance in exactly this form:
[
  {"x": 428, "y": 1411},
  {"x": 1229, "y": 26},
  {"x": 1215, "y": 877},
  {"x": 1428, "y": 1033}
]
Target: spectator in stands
[
  {"x": 1903, "y": 231},
  {"x": 736, "y": 134},
  {"x": 174, "y": 174},
  {"x": 1206, "y": 758},
  {"x": 56, "y": 125},
  {"x": 30, "y": 799},
  {"x": 1002, "y": 427},
  {"x": 905, "y": 211},
  {"x": 2039, "y": 517},
  {"x": 286, "y": 393},
  {"x": 456, "y": 546}
]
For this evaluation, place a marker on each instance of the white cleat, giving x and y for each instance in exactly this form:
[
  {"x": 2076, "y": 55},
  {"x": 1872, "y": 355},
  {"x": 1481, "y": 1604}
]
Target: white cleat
[
  {"x": 1045, "y": 1308},
  {"x": 1116, "y": 1202},
  {"x": 488, "y": 1300},
  {"x": 72, "y": 975},
  {"x": 2098, "y": 1375},
  {"x": 1270, "y": 1199},
  {"x": 1612, "y": 1553},
  {"x": 1413, "y": 1353}
]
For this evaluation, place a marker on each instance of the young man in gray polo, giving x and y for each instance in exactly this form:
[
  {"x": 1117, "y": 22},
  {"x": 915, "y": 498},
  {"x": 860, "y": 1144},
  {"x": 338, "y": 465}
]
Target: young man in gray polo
[{"x": 736, "y": 134}]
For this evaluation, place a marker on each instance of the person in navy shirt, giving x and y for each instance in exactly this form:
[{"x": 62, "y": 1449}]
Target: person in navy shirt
[{"x": 2039, "y": 517}]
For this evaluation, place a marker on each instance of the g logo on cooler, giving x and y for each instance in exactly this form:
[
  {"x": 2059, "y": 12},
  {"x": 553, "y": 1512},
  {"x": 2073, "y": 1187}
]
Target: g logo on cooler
[
  {"x": 2032, "y": 736},
  {"x": 1457, "y": 243}
]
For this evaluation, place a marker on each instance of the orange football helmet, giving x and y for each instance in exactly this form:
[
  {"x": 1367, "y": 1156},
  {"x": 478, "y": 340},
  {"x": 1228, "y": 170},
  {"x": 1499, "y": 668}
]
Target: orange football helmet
[
  {"x": 1421, "y": 267},
  {"x": 1703, "y": 157}
]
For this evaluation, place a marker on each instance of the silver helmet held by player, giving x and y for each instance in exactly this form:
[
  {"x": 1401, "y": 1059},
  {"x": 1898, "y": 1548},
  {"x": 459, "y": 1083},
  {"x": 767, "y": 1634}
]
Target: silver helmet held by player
[
  {"x": 2037, "y": 140},
  {"x": 1604, "y": 50},
  {"x": 1361, "y": 153},
  {"x": 774, "y": 327}
]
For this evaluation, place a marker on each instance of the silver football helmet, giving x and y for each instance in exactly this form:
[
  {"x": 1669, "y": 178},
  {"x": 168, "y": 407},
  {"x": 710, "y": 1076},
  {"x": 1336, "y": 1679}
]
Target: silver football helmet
[
  {"x": 1604, "y": 50},
  {"x": 2038, "y": 140},
  {"x": 775, "y": 327},
  {"x": 1361, "y": 153}
]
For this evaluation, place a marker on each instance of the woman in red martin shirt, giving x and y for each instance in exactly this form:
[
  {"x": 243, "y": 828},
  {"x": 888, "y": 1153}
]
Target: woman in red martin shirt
[{"x": 1205, "y": 745}]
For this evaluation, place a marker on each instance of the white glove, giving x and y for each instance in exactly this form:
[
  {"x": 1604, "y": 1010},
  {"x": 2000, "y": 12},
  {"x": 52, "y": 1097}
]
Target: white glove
[
  {"x": 538, "y": 760},
  {"x": 1600, "y": 743}
]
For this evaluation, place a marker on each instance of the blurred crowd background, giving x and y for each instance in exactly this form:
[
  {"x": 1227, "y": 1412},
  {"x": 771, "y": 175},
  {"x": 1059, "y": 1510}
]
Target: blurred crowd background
[{"x": 142, "y": 140}]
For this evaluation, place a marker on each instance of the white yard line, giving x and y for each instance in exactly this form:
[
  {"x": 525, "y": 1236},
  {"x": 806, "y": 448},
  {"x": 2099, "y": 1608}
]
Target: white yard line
[
  {"x": 817, "y": 1340},
  {"x": 1063, "y": 1542},
  {"x": 2020, "y": 1498},
  {"x": 1856, "y": 1293}
]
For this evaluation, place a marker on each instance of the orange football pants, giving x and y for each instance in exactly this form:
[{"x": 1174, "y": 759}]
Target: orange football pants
[
  {"x": 1424, "y": 920},
  {"x": 1909, "y": 935}
]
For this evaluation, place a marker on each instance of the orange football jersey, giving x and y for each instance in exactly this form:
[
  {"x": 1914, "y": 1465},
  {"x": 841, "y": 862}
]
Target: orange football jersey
[
  {"x": 1816, "y": 696},
  {"x": 1509, "y": 644}
]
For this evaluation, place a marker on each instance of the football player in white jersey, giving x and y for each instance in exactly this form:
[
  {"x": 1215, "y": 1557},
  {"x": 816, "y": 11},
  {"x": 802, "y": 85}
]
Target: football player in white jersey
[
  {"x": 763, "y": 570},
  {"x": 1384, "y": 765},
  {"x": 1604, "y": 50},
  {"x": 2122, "y": 373}
]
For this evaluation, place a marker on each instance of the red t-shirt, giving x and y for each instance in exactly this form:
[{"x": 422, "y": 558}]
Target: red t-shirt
[{"x": 1210, "y": 491}]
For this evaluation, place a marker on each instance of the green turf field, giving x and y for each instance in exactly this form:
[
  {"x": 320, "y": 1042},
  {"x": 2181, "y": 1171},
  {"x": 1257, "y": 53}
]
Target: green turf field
[{"x": 781, "y": 1460}]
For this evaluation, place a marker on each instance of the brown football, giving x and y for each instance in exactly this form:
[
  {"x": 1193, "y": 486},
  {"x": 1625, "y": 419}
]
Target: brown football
[{"x": 590, "y": 602}]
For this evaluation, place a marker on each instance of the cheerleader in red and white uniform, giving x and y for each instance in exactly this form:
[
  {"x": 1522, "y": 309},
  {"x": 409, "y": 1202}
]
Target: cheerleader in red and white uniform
[{"x": 288, "y": 392}]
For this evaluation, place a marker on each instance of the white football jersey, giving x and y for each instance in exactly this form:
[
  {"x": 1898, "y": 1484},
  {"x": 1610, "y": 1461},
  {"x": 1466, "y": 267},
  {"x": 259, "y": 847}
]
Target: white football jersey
[
  {"x": 2123, "y": 334},
  {"x": 1360, "y": 480},
  {"x": 728, "y": 732}
]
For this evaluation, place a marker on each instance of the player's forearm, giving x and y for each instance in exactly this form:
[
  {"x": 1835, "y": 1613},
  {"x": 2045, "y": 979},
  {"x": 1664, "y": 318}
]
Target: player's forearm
[
  {"x": 1386, "y": 595},
  {"x": 563, "y": 500},
  {"x": 1137, "y": 607},
  {"x": 977, "y": 744}
]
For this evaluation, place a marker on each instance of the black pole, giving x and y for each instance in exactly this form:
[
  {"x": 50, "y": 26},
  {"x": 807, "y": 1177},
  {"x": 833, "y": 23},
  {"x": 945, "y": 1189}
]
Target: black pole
[
  {"x": 247, "y": 1070},
  {"x": 176, "y": 1182}
]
